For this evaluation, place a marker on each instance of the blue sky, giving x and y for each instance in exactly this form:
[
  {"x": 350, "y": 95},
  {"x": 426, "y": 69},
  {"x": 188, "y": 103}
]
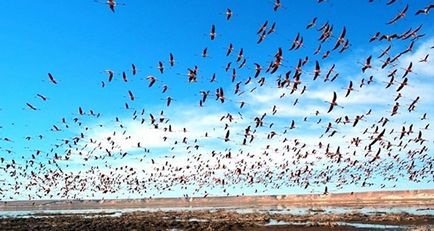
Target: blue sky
[{"x": 78, "y": 43}]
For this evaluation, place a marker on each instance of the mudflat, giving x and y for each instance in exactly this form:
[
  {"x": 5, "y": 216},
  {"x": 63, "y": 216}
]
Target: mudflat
[
  {"x": 219, "y": 220},
  {"x": 388, "y": 210}
]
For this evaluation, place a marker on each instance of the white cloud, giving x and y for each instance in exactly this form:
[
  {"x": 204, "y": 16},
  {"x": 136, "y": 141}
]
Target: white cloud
[
  {"x": 198, "y": 121},
  {"x": 263, "y": 155}
]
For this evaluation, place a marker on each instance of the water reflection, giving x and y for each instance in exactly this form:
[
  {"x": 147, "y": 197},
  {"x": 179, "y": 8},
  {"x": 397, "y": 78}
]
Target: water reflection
[
  {"x": 284, "y": 210},
  {"x": 355, "y": 225}
]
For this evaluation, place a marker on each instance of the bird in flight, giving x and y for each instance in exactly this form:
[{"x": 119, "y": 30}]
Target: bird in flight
[
  {"x": 333, "y": 103},
  {"x": 228, "y": 14},
  {"x": 367, "y": 64},
  {"x": 111, "y": 4},
  {"x": 425, "y": 10},
  {"x": 52, "y": 79},
  {"x": 212, "y": 33},
  {"x": 260, "y": 95},
  {"x": 31, "y": 106},
  {"x": 399, "y": 15}
]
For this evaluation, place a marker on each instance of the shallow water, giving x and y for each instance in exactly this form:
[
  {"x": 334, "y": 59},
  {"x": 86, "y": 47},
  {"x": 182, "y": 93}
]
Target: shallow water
[
  {"x": 270, "y": 209},
  {"x": 338, "y": 210},
  {"x": 355, "y": 225}
]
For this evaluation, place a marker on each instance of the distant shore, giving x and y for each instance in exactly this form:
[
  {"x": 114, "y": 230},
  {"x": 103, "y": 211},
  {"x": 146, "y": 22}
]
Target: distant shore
[{"x": 374, "y": 198}]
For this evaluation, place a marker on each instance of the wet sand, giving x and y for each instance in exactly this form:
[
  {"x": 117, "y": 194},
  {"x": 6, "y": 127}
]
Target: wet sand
[
  {"x": 399, "y": 210},
  {"x": 219, "y": 220}
]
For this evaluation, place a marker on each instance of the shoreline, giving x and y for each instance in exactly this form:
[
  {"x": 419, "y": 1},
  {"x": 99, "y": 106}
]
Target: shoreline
[
  {"x": 407, "y": 198},
  {"x": 390, "y": 210},
  {"x": 220, "y": 220}
]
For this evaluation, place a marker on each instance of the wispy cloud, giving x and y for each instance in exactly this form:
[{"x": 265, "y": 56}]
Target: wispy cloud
[{"x": 198, "y": 134}]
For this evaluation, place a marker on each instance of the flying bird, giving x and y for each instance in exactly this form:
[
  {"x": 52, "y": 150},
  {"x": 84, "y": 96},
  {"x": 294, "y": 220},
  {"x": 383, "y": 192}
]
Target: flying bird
[
  {"x": 51, "y": 78},
  {"x": 228, "y": 14},
  {"x": 151, "y": 80},
  {"x": 131, "y": 95},
  {"x": 341, "y": 39},
  {"x": 425, "y": 59},
  {"x": 317, "y": 70},
  {"x": 212, "y": 34},
  {"x": 111, "y": 4},
  {"x": 124, "y": 76},
  {"x": 402, "y": 85},
  {"x": 333, "y": 103},
  {"x": 133, "y": 69},
  {"x": 277, "y": 5},
  {"x": 42, "y": 97},
  {"x": 349, "y": 89},
  {"x": 230, "y": 49},
  {"x": 171, "y": 60},
  {"x": 161, "y": 67},
  {"x": 312, "y": 23},
  {"x": 367, "y": 64},
  {"x": 425, "y": 10},
  {"x": 31, "y": 106},
  {"x": 110, "y": 75},
  {"x": 227, "y": 136},
  {"x": 399, "y": 15}
]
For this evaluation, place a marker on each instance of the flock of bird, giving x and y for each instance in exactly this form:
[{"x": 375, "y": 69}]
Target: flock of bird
[{"x": 238, "y": 148}]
